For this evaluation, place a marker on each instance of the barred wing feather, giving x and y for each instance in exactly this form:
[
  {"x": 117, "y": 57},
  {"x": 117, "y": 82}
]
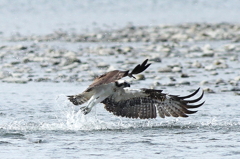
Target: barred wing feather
[{"x": 147, "y": 103}]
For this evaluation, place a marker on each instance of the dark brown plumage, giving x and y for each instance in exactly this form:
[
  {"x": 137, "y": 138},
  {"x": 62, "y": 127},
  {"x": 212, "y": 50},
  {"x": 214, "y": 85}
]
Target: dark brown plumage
[
  {"x": 153, "y": 103},
  {"x": 115, "y": 75},
  {"x": 104, "y": 79}
]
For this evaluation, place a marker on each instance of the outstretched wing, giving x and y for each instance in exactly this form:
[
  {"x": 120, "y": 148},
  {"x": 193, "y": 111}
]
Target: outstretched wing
[
  {"x": 147, "y": 103},
  {"x": 115, "y": 75}
]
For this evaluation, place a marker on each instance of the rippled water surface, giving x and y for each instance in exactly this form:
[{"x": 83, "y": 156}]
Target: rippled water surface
[{"x": 37, "y": 120}]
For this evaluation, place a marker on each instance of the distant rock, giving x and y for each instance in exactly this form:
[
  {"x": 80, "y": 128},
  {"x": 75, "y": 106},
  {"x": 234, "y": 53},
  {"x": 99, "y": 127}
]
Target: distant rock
[
  {"x": 156, "y": 59},
  {"x": 140, "y": 77},
  {"x": 208, "y": 90},
  {"x": 165, "y": 69},
  {"x": 15, "y": 80}
]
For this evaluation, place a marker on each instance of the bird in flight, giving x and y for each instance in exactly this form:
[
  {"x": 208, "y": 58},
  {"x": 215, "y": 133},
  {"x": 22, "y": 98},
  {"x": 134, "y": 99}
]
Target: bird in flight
[{"x": 143, "y": 103}]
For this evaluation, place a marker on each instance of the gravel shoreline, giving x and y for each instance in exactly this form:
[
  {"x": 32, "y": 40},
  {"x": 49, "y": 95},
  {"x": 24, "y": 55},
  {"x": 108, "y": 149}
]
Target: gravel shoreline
[
  {"x": 162, "y": 33},
  {"x": 197, "y": 53}
]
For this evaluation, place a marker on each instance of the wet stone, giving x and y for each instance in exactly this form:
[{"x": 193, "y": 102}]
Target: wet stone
[
  {"x": 127, "y": 49},
  {"x": 176, "y": 69},
  {"x": 15, "y": 80},
  {"x": 19, "y": 47},
  {"x": 42, "y": 79},
  {"x": 102, "y": 65},
  {"x": 183, "y": 75},
  {"x": 233, "y": 82},
  {"x": 156, "y": 59},
  {"x": 229, "y": 47},
  {"x": 26, "y": 60},
  {"x": 214, "y": 73},
  {"x": 140, "y": 77},
  {"x": 207, "y": 48},
  {"x": 15, "y": 62},
  {"x": 184, "y": 83},
  {"x": 17, "y": 75},
  {"x": 71, "y": 66},
  {"x": 44, "y": 64},
  {"x": 234, "y": 58},
  {"x": 170, "y": 84},
  {"x": 165, "y": 69},
  {"x": 208, "y": 54},
  {"x": 68, "y": 61},
  {"x": 219, "y": 62},
  {"x": 156, "y": 83},
  {"x": 237, "y": 93},
  {"x": 210, "y": 67},
  {"x": 4, "y": 74},
  {"x": 172, "y": 78},
  {"x": 208, "y": 90},
  {"x": 196, "y": 64},
  {"x": 237, "y": 78},
  {"x": 204, "y": 82},
  {"x": 235, "y": 89},
  {"x": 220, "y": 81}
]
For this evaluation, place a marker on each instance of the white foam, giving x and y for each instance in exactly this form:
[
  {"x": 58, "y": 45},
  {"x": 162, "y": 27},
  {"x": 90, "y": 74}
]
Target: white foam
[{"x": 69, "y": 118}]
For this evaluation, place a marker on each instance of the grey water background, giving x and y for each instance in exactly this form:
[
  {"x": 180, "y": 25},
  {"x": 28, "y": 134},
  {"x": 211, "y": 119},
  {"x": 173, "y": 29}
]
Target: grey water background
[
  {"x": 37, "y": 121},
  {"x": 36, "y": 17}
]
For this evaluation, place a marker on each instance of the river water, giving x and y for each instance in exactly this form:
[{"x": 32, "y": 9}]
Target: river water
[{"x": 37, "y": 121}]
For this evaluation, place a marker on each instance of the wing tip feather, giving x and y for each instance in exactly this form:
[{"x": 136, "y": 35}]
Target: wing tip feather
[
  {"x": 181, "y": 105},
  {"x": 162, "y": 107}
]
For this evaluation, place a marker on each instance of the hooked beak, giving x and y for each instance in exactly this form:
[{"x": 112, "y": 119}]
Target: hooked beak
[{"x": 127, "y": 85}]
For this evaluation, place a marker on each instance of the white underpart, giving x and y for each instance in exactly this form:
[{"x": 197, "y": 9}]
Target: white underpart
[{"x": 101, "y": 93}]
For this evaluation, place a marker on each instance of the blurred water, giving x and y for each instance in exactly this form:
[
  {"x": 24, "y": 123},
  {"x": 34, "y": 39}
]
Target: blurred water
[
  {"x": 40, "y": 122},
  {"x": 42, "y": 16}
]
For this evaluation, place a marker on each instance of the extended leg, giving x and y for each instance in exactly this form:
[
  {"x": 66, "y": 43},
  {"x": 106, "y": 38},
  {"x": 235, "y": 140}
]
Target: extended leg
[
  {"x": 88, "y": 108},
  {"x": 92, "y": 102}
]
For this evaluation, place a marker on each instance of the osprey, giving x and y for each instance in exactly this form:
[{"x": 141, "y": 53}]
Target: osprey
[{"x": 133, "y": 103}]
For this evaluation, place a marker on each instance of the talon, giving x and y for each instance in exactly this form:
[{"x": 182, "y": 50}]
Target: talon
[{"x": 85, "y": 110}]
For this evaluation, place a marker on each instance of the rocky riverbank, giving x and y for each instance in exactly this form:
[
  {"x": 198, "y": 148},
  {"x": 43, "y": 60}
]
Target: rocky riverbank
[
  {"x": 204, "y": 54},
  {"x": 154, "y": 34}
]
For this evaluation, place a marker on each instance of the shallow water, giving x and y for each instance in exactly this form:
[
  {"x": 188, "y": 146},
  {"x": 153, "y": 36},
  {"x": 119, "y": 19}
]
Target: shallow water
[{"x": 40, "y": 122}]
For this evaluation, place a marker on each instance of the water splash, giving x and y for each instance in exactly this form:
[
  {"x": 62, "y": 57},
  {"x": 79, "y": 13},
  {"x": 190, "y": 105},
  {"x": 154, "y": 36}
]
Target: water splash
[{"x": 69, "y": 118}]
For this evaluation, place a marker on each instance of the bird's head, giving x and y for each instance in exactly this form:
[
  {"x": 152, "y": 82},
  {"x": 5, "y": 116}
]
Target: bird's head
[{"x": 122, "y": 83}]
